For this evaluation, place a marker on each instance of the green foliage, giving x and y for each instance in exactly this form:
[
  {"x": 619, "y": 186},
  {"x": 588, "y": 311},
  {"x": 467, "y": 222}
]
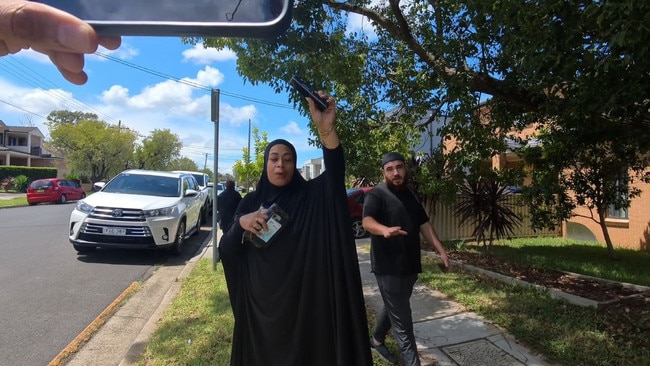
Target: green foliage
[
  {"x": 568, "y": 66},
  {"x": 183, "y": 163},
  {"x": 483, "y": 204},
  {"x": 249, "y": 169},
  {"x": 32, "y": 173},
  {"x": 93, "y": 146},
  {"x": 158, "y": 150},
  {"x": 600, "y": 167},
  {"x": 20, "y": 183},
  {"x": 68, "y": 117}
]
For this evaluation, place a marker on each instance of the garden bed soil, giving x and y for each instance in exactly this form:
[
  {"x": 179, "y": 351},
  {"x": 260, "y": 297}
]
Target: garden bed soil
[{"x": 622, "y": 307}]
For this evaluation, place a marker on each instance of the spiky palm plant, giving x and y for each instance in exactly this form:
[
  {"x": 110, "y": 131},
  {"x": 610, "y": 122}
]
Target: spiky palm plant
[{"x": 484, "y": 205}]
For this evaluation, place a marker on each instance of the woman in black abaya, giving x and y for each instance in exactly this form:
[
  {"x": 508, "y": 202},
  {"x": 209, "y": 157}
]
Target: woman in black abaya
[{"x": 297, "y": 301}]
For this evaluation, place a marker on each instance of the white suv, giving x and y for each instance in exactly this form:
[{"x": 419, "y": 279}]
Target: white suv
[
  {"x": 138, "y": 209},
  {"x": 206, "y": 188}
]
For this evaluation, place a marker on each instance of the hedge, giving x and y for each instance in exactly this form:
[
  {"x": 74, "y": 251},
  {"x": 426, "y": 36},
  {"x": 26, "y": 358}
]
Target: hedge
[{"x": 32, "y": 173}]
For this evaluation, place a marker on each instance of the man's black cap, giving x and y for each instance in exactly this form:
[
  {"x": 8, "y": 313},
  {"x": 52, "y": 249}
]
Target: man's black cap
[{"x": 391, "y": 156}]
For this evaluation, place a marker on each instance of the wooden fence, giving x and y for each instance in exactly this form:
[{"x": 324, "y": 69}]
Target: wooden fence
[{"x": 448, "y": 228}]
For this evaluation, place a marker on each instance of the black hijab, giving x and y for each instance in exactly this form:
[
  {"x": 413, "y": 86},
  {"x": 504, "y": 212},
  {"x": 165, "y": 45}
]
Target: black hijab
[{"x": 266, "y": 193}]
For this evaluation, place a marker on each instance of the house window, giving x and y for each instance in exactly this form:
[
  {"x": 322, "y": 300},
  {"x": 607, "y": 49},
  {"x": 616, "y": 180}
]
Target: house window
[
  {"x": 621, "y": 213},
  {"x": 14, "y": 141}
]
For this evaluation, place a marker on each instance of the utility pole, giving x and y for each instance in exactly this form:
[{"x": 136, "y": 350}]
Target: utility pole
[
  {"x": 205, "y": 164},
  {"x": 214, "y": 114},
  {"x": 248, "y": 179}
]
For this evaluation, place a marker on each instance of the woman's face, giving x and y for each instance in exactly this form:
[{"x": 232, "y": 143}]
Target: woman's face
[{"x": 280, "y": 166}]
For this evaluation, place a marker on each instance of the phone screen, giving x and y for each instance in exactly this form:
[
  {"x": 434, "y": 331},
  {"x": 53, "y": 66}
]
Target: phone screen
[{"x": 175, "y": 16}]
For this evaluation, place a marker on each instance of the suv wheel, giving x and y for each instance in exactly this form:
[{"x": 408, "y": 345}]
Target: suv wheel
[{"x": 177, "y": 247}]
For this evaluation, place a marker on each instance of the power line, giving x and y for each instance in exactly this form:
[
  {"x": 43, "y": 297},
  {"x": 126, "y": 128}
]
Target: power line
[
  {"x": 22, "y": 72},
  {"x": 22, "y": 109},
  {"x": 191, "y": 83}
]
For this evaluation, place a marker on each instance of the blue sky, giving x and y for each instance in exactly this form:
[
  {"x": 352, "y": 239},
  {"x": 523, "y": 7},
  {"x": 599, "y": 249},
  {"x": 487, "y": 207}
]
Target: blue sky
[{"x": 143, "y": 98}]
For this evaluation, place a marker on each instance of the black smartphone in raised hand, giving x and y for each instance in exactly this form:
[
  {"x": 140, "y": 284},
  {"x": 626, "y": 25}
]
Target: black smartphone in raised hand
[{"x": 308, "y": 92}]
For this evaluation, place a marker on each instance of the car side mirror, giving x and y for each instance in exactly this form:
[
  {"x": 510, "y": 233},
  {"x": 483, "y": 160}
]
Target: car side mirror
[{"x": 97, "y": 186}]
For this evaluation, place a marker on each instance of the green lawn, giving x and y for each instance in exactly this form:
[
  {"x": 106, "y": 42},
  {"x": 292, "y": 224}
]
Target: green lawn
[{"x": 21, "y": 201}]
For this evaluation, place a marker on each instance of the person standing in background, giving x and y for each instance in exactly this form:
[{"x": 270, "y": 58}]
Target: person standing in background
[
  {"x": 395, "y": 218},
  {"x": 227, "y": 203}
]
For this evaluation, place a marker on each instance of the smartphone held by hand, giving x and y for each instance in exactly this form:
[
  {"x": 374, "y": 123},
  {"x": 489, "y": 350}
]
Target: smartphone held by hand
[
  {"x": 308, "y": 92},
  {"x": 210, "y": 18}
]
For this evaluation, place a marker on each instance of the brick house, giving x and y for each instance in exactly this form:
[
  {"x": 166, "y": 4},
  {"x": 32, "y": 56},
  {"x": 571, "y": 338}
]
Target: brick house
[{"x": 628, "y": 228}]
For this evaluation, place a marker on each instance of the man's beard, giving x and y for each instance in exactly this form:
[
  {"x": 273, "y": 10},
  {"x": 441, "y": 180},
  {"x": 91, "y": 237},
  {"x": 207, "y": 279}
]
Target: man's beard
[{"x": 397, "y": 187}]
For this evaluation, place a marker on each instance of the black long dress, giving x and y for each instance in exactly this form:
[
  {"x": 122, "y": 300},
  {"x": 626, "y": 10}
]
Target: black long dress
[{"x": 298, "y": 301}]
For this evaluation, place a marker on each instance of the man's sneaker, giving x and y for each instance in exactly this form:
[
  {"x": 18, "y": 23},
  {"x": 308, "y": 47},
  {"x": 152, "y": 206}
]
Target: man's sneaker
[{"x": 383, "y": 352}]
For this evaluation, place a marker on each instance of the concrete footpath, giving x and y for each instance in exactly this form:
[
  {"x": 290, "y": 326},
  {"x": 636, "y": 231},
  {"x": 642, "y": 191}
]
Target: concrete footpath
[{"x": 446, "y": 333}]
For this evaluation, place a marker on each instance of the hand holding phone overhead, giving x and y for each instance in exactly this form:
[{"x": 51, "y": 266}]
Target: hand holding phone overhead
[{"x": 308, "y": 92}]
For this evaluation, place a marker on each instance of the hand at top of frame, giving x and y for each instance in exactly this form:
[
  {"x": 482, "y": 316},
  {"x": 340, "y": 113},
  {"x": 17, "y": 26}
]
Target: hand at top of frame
[{"x": 50, "y": 31}]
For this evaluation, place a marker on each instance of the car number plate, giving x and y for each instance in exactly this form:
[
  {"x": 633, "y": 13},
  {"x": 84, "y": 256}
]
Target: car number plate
[{"x": 114, "y": 231}]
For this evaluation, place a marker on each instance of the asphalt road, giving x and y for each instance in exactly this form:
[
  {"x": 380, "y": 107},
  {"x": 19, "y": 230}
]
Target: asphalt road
[{"x": 48, "y": 293}]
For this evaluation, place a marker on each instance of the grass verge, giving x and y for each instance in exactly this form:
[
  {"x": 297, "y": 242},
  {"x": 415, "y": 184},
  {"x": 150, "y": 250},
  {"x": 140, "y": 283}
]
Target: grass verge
[
  {"x": 20, "y": 201},
  {"x": 197, "y": 328}
]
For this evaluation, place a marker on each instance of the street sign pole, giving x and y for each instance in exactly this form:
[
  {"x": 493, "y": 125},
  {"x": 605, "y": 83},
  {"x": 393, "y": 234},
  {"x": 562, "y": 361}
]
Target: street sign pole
[{"x": 214, "y": 114}]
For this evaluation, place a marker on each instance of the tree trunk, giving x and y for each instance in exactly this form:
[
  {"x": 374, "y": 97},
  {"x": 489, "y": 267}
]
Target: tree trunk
[{"x": 608, "y": 239}]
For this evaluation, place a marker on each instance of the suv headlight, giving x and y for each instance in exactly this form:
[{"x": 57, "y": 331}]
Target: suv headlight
[
  {"x": 84, "y": 207},
  {"x": 167, "y": 211}
]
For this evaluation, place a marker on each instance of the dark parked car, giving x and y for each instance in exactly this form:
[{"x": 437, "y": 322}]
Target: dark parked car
[
  {"x": 355, "y": 204},
  {"x": 54, "y": 190}
]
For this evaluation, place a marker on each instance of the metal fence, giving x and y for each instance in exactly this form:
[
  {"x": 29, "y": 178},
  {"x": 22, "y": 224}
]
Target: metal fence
[{"x": 448, "y": 228}]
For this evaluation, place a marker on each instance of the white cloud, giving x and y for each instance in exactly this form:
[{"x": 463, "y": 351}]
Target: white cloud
[
  {"x": 125, "y": 52},
  {"x": 175, "y": 98},
  {"x": 208, "y": 77},
  {"x": 237, "y": 116},
  {"x": 291, "y": 128},
  {"x": 203, "y": 56}
]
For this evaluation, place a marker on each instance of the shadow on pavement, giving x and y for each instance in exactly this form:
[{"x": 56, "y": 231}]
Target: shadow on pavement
[{"x": 148, "y": 256}]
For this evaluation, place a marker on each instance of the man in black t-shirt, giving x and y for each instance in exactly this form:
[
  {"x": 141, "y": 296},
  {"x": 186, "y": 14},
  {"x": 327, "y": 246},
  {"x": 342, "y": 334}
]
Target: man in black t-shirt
[{"x": 395, "y": 218}]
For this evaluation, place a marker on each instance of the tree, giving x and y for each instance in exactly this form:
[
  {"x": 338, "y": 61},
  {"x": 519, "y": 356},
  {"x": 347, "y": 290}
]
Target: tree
[
  {"x": 564, "y": 65},
  {"x": 249, "y": 169},
  {"x": 587, "y": 173},
  {"x": 93, "y": 146},
  {"x": 184, "y": 163},
  {"x": 158, "y": 150},
  {"x": 69, "y": 117}
]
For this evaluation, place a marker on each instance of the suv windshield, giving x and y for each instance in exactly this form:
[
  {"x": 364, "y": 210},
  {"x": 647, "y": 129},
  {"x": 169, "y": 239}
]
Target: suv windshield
[{"x": 148, "y": 185}]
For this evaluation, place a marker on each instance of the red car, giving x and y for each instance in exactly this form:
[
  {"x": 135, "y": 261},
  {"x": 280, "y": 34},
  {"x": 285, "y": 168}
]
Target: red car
[
  {"x": 355, "y": 204},
  {"x": 54, "y": 190}
]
